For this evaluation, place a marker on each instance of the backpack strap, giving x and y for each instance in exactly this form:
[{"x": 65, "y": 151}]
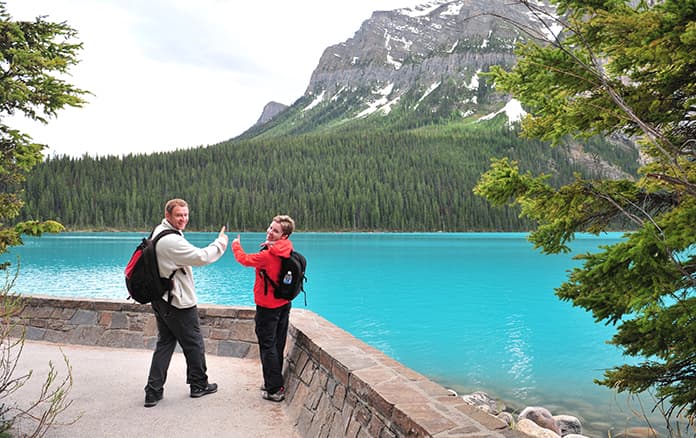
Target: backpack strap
[
  {"x": 161, "y": 235},
  {"x": 267, "y": 279},
  {"x": 169, "y": 291}
]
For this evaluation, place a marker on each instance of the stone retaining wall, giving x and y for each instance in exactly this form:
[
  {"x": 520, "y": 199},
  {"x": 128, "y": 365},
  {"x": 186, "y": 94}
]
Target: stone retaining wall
[
  {"x": 337, "y": 386},
  {"x": 228, "y": 331}
]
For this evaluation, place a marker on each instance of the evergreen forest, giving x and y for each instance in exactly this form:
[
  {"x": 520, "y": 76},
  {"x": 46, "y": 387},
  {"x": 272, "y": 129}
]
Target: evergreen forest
[{"x": 361, "y": 179}]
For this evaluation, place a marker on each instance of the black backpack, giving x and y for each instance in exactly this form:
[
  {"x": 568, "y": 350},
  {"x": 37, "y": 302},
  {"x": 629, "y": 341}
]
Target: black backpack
[
  {"x": 143, "y": 279},
  {"x": 291, "y": 279}
]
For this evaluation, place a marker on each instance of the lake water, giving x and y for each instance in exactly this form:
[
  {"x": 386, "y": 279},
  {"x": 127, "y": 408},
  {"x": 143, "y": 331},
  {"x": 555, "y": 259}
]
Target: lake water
[{"x": 472, "y": 311}]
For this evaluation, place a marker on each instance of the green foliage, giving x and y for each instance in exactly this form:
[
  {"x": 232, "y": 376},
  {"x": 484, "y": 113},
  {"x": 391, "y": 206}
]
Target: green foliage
[
  {"x": 618, "y": 68},
  {"x": 32, "y": 55},
  {"x": 367, "y": 178}
]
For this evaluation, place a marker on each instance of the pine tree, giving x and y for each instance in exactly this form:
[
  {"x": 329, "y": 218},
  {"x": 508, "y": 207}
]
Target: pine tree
[{"x": 619, "y": 68}]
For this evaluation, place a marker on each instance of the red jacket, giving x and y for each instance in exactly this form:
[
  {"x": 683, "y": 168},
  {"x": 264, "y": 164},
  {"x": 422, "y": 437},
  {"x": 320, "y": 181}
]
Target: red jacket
[{"x": 268, "y": 260}]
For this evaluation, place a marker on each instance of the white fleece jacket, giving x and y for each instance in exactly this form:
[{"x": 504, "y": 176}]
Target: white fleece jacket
[{"x": 174, "y": 252}]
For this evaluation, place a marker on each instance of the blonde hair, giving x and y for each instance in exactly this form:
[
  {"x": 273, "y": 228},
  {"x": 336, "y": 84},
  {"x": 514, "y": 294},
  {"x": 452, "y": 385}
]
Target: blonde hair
[
  {"x": 286, "y": 223},
  {"x": 176, "y": 202}
]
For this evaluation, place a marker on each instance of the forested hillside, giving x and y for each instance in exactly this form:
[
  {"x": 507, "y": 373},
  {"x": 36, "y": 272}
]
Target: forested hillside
[{"x": 362, "y": 179}]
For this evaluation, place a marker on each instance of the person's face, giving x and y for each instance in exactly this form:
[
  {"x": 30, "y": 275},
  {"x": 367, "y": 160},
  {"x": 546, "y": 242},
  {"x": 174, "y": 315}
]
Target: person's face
[
  {"x": 179, "y": 217},
  {"x": 274, "y": 232}
]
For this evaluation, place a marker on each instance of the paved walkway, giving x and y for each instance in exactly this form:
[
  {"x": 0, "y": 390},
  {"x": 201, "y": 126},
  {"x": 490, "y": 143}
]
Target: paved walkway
[{"x": 107, "y": 396}]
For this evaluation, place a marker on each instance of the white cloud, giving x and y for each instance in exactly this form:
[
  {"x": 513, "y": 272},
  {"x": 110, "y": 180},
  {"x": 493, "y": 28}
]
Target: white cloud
[{"x": 173, "y": 74}]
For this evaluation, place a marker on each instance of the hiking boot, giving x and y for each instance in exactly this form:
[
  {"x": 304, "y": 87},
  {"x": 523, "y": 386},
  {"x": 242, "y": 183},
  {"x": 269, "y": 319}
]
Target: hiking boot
[
  {"x": 151, "y": 398},
  {"x": 278, "y": 396},
  {"x": 198, "y": 391}
]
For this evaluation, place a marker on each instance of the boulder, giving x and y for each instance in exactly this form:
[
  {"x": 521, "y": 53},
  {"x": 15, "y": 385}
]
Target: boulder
[
  {"x": 507, "y": 418},
  {"x": 482, "y": 401},
  {"x": 568, "y": 424},
  {"x": 532, "y": 429},
  {"x": 540, "y": 416}
]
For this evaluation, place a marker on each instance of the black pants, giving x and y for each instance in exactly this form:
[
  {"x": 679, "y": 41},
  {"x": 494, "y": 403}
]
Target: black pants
[
  {"x": 272, "y": 332},
  {"x": 182, "y": 326}
]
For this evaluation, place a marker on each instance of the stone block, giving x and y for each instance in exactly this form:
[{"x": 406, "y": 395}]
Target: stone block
[
  {"x": 149, "y": 326},
  {"x": 233, "y": 349},
  {"x": 84, "y": 317},
  {"x": 105, "y": 319},
  {"x": 57, "y": 324},
  {"x": 57, "y": 336},
  {"x": 301, "y": 358},
  {"x": 86, "y": 335},
  {"x": 62, "y": 314},
  {"x": 323, "y": 416},
  {"x": 43, "y": 323},
  {"x": 120, "y": 339},
  {"x": 341, "y": 373},
  {"x": 314, "y": 397},
  {"x": 354, "y": 427},
  {"x": 149, "y": 342},
  {"x": 376, "y": 426},
  {"x": 253, "y": 352},
  {"x": 308, "y": 372},
  {"x": 243, "y": 330},
  {"x": 211, "y": 346},
  {"x": 339, "y": 396},
  {"x": 35, "y": 334},
  {"x": 108, "y": 306},
  {"x": 418, "y": 419},
  {"x": 297, "y": 403},
  {"x": 487, "y": 420},
  {"x": 216, "y": 333},
  {"x": 119, "y": 321},
  {"x": 218, "y": 312},
  {"x": 303, "y": 423},
  {"x": 339, "y": 424},
  {"x": 246, "y": 313},
  {"x": 362, "y": 414},
  {"x": 40, "y": 312}
]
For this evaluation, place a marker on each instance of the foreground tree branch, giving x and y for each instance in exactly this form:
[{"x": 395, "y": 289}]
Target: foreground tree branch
[{"x": 634, "y": 61}]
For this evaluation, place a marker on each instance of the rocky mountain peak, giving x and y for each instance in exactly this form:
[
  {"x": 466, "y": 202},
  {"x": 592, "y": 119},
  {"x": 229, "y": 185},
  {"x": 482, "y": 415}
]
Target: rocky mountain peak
[
  {"x": 417, "y": 50},
  {"x": 271, "y": 110}
]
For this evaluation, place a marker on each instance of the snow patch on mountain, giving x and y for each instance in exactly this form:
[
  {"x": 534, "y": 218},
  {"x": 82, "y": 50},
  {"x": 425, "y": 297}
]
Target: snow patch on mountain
[{"x": 513, "y": 110}]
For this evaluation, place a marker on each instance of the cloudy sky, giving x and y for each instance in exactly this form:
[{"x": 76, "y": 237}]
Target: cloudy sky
[{"x": 175, "y": 74}]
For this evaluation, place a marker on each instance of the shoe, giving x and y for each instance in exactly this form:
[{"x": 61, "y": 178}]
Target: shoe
[
  {"x": 151, "y": 399},
  {"x": 278, "y": 396},
  {"x": 197, "y": 391}
]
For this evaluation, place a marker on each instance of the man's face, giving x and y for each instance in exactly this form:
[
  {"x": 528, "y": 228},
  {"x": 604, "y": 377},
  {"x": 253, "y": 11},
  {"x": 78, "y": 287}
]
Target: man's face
[
  {"x": 179, "y": 217},
  {"x": 274, "y": 232}
]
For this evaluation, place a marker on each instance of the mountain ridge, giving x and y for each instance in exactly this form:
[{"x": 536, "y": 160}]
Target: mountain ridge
[{"x": 402, "y": 57}]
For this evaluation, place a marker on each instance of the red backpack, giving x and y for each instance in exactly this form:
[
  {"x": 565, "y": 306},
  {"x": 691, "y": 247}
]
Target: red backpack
[{"x": 143, "y": 279}]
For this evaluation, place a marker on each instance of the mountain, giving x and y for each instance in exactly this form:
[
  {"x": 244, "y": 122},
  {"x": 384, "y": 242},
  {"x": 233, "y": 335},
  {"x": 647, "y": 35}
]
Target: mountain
[
  {"x": 393, "y": 132},
  {"x": 424, "y": 61},
  {"x": 271, "y": 110}
]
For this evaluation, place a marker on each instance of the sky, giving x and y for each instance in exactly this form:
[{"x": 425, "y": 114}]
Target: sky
[{"x": 175, "y": 74}]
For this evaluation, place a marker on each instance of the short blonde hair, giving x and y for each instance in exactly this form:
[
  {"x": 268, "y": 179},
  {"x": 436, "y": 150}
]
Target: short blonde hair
[
  {"x": 286, "y": 224},
  {"x": 176, "y": 202}
]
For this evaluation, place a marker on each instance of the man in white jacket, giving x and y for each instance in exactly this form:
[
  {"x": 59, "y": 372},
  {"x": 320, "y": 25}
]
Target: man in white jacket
[{"x": 176, "y": 313}]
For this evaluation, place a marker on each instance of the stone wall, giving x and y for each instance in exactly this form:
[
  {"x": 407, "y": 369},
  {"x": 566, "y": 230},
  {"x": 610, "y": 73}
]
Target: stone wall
[
  {"x": 228, "y": 331},
  {"x": 337, "y": 386}
]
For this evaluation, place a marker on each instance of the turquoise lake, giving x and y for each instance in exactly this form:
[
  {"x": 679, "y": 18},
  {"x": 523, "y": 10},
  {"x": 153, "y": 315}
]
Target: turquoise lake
[{"x": 472, "y": 311}]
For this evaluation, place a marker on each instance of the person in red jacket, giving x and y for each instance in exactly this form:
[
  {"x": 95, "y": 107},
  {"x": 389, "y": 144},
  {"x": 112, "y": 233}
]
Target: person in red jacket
[{"x": 272, "y": 314}]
